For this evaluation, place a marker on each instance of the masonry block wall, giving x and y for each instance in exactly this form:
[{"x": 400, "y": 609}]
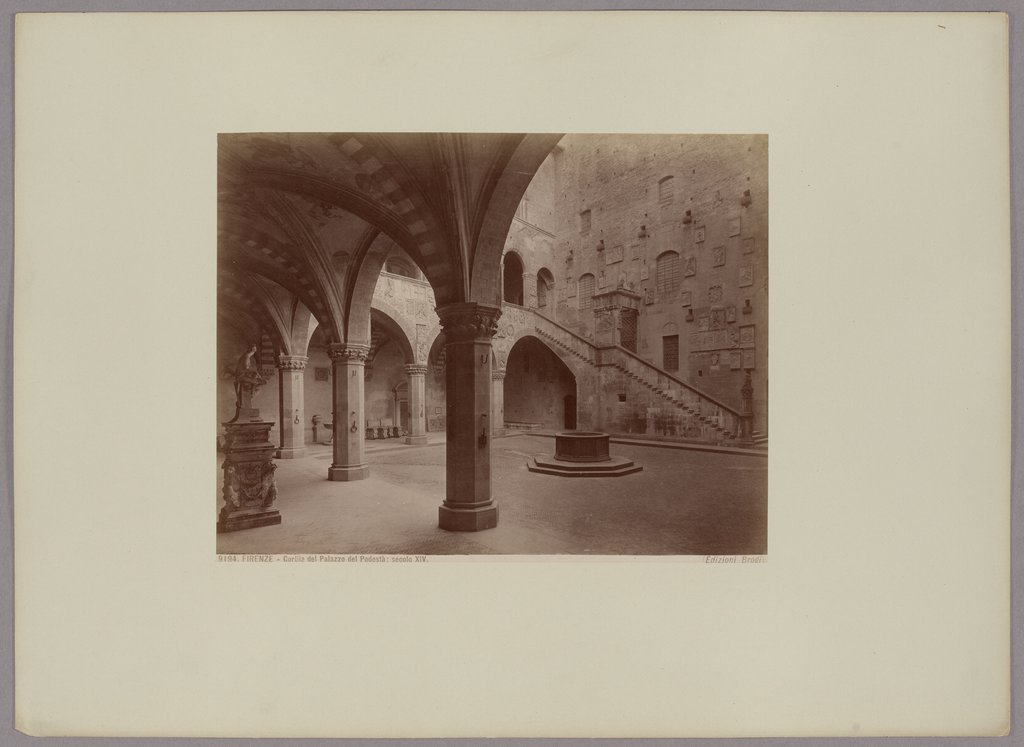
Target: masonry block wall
[
  {"x": 684, "y": 222},
  {"x": 531, "y": 239}
]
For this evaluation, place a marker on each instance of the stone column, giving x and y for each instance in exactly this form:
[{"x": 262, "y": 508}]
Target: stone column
[
  {"x": 468, "y": 329},
  {"x": 417, "y": 403},
  {"x": 293, "y": 435},
  {"x": 498, "y": 402},
  {"x": 348, "y": 361}
]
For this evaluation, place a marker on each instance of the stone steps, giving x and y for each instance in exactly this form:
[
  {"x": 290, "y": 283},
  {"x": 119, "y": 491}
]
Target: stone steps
[
  {"x": 681, "y": 405},
  {"x": 614, "y": 467}
]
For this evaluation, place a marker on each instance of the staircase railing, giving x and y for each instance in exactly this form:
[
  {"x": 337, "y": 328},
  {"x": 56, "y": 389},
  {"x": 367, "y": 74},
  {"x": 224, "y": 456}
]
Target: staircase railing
[
  {"x": 565, "y": 338},
  {"x": 710, "y": 411},
  {"x": 673, "y": 381}
]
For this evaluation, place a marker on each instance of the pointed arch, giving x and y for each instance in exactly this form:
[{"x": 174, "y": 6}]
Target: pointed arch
[{"x": 509, "y": 186}]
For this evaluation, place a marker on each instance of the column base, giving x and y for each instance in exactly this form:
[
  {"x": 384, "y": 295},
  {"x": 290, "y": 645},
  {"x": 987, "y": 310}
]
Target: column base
[
  {"x": 290, "y": 452},
  {"x": 248, "y": 520},
  {"x": 416, "y": 440},
  {"x": 348, "y": 474},
  {"x": 467, "y": 519}
]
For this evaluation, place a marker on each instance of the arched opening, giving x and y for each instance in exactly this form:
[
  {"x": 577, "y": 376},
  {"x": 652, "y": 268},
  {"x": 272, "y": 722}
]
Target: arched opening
[
  {"x": 401, "y": 393},
  {"x": 545, "y": 284},
  {"x": 586, "y": 291},
  {"x": 537, "y": 385},
  {"x": 512, "y": 279},
  {"x": 400, "y": 266},
  {"x": 385, "y": 379},
  {"x": 665, "y": 191},
  {"x": 384, "y": 375},
  {"x": 667, "y": 271},
  {"x": 316, "y": 389}
]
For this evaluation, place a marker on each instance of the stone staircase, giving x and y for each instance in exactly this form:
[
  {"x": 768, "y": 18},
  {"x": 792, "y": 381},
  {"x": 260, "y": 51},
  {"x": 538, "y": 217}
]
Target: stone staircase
[{"x": 718, "y": 421}]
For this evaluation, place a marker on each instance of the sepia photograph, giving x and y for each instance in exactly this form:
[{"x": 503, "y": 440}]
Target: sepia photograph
[
  {"x": 413, "y": 375},
  {"x": 475, "y": 344}
]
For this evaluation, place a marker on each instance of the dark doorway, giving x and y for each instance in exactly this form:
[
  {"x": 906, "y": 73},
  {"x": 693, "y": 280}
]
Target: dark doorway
[
  {"x": 570, "y": 412},
  {"x": 513, "y": 279}
]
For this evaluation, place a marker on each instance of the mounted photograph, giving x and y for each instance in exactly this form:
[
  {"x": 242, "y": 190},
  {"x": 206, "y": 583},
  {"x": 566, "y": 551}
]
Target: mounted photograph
[{"x": 468, "y": 344}]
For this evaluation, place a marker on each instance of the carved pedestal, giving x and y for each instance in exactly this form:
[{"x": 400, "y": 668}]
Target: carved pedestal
[{"x": 249, "y": 487}]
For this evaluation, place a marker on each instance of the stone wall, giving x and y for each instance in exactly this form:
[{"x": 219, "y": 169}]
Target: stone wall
[
  {"x": 382, "y": 377},
  {"x": 620, "y": 203}
]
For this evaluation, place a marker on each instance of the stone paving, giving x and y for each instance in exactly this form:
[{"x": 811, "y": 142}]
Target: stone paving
[{"x": 683, "y": 503}]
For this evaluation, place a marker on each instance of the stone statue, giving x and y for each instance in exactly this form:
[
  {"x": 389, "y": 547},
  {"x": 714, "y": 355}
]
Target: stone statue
[{"x": 247, "y": 378}]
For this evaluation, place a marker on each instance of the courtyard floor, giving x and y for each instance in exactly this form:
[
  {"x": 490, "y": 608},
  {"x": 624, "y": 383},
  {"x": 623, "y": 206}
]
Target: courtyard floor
[{"x": 684, "y": 502}]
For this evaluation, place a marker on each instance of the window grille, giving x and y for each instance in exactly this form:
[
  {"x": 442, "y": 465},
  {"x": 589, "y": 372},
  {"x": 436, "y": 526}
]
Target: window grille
[
  {"x": 586, "y": 291},
  {"x": 665, "y": 190},
  {"x": 668, "y": 273},
  {"x": 670, "y": 352}
]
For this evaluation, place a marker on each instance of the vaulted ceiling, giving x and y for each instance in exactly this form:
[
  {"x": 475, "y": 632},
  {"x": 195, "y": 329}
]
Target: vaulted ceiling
[{"x": 306, "y": 221}]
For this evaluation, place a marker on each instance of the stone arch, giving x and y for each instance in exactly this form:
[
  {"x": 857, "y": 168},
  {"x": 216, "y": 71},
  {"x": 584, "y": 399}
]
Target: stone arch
[
  {"x": 537, "y": 384},
  {"x": 510, "y": 185},
  {"x": 413, "y": 228},
  {"x": 503, "y": 347},
  {"x": 368, "y": 261},
  {"x": 395, "y": 330},
  {"x": 235, "y": 296},
  {"x": 244, "y": 246},
  {"x": 545, "y": 287}
]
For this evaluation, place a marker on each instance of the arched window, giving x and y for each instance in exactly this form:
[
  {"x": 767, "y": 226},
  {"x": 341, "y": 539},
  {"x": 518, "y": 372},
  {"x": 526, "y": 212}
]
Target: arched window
[
  {"x": 512, "y": 270},
  {"x": 665, "y": 190},
  {"x": 667, "y": 270},
  {"x": 586, "y": 291},
  {"x": 399, "y": 266},
  {"x": 545, "y": 282}
]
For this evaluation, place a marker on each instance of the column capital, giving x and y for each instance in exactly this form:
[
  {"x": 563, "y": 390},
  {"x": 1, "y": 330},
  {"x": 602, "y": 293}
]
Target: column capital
[
  {"x": 292, "y": 362},
  {"x": 343, "y": 352},
  {"x": 469, "y": 321},
  {"x": 414, "y": 369},
  {"x": 498, "y": 374}
]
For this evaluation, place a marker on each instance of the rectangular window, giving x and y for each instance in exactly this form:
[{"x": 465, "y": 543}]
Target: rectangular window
[{"x": 670, "y": 352}]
